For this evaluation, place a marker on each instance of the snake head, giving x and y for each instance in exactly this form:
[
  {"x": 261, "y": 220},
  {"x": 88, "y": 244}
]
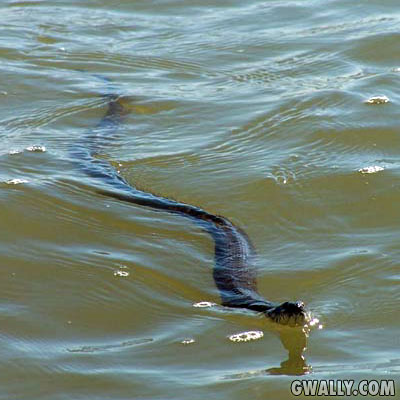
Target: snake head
[{"x": 288, "y": 313}]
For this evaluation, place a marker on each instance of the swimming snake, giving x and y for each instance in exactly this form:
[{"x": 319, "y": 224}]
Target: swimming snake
[{"x": 233, "y": 272}]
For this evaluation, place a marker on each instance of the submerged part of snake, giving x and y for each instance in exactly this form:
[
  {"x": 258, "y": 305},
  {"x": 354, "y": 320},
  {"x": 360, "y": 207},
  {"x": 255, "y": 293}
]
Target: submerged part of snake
[{"x": 233, "y": 272}]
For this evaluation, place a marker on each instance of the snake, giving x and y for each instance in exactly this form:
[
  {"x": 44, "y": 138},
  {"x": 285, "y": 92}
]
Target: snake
[{"x": 233, "y": 272}]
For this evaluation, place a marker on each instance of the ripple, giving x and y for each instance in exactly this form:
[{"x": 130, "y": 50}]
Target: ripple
[
  {"x": 45, "y": 115},
  {"x": 262, "y": 123},
  {"x": 108, "y": 347}
]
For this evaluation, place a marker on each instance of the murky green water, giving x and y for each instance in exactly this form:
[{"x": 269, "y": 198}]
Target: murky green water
[{"x": 253, "y": 110}]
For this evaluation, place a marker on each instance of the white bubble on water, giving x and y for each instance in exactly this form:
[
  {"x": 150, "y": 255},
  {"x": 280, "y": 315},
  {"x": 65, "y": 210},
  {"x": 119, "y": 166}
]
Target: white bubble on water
[
  {"x": 16, "y": 181},
  {"x": 377, "y": 100},
  {"x": 204, "y": 304},
  {"x": 14, "y": 151},
  {"x": 246, "y": 336},
  {"x": 371, "y": 169},
  {"x": 188, "y": 341},
  {"x": 36, "y": 148},
  {"x": 122, "y": 274}
]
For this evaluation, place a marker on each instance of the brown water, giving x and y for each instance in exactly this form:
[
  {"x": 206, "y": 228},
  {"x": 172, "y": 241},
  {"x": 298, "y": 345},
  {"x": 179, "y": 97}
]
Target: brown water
[{"x": 253, "y": 110}]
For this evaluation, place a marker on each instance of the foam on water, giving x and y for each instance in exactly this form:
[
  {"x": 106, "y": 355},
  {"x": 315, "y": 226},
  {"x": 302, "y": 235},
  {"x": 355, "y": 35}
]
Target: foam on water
[{"x": 246, "y": 336}]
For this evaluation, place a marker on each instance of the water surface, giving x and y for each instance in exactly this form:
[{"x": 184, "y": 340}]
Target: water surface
[{"x": 253, "y": 110}]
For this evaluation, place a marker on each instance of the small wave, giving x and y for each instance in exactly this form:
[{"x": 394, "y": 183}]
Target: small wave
[{"x": 108, "y": 347}]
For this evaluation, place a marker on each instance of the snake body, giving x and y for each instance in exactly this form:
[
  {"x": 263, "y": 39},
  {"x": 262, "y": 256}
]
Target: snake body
[{"x": 233, "y": 272}]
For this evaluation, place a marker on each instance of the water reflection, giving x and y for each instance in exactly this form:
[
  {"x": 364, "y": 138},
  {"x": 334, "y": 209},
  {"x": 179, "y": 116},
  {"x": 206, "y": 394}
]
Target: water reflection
[{"x": 295, "y": 342}]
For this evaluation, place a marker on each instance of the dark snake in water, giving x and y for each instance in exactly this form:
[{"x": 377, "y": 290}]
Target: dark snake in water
[{"x": 233, "y": 272}]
